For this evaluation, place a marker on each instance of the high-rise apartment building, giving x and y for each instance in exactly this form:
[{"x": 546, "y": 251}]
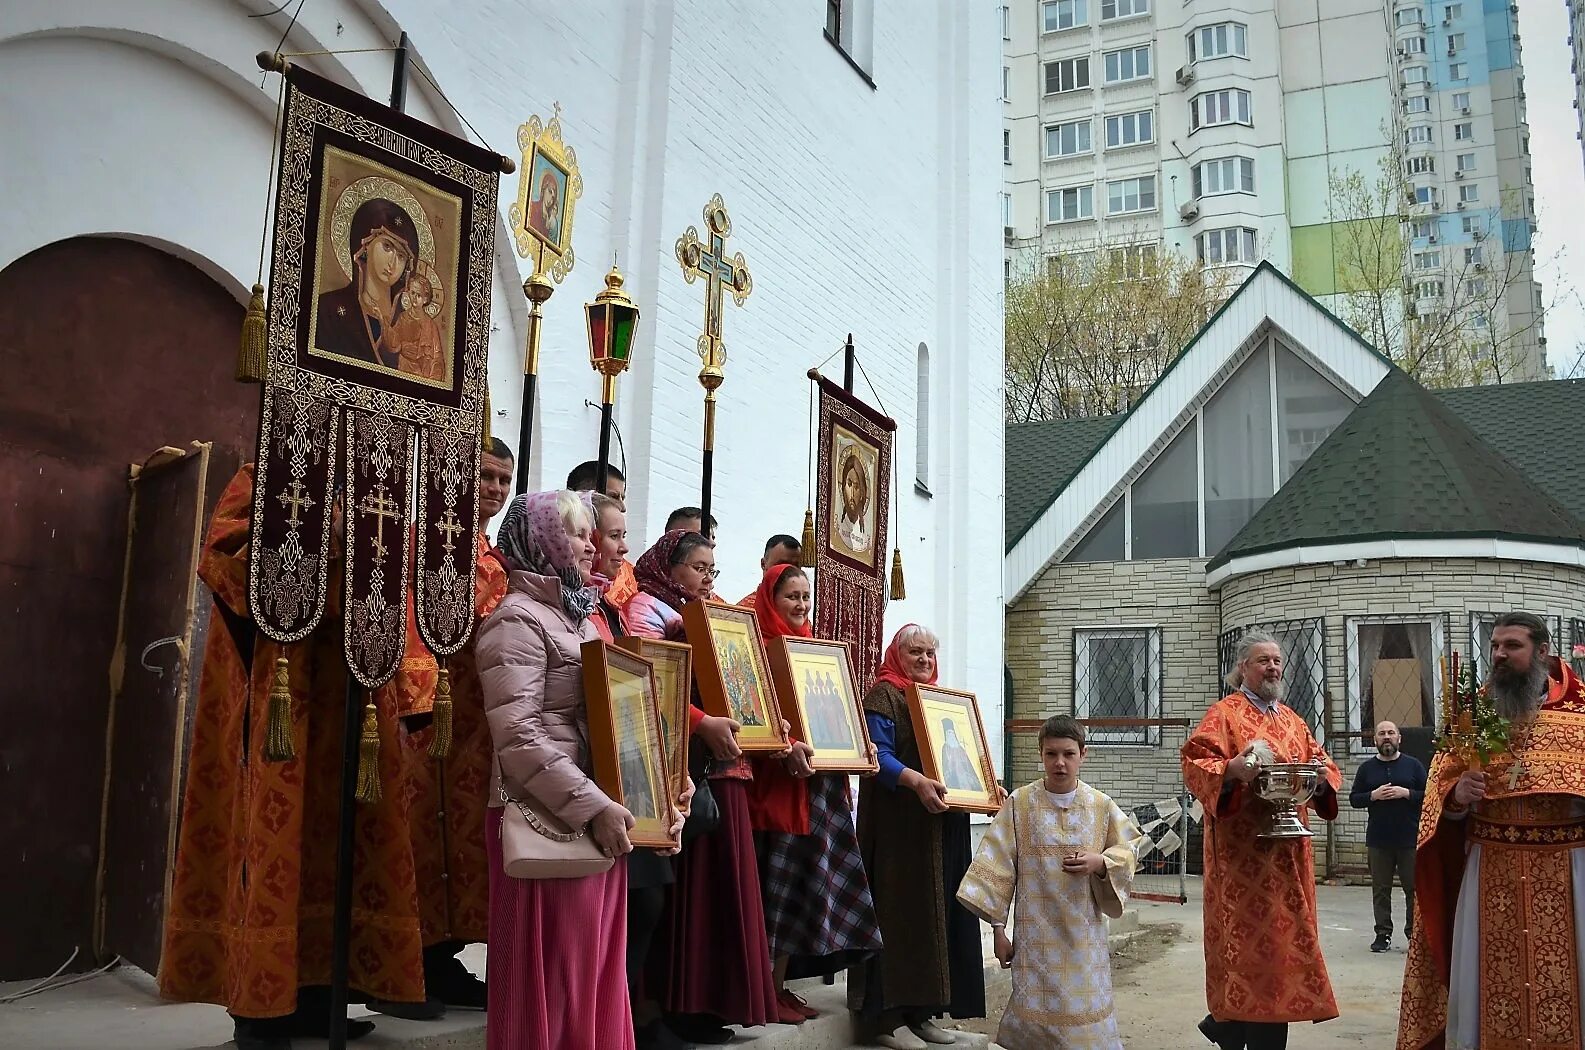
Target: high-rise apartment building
[
  {"x": 1218, "y": 129},
  {"x": 1576, "y": 37}
]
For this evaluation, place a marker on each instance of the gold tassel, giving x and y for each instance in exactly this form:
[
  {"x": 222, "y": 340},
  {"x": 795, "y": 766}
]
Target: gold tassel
[
  {"x": 253, "y": 354},
  {"x": 369, "y": 757},
  {"x": 899, "y": 592},
  {"x": 486, "y": 435},
  {"x": 278, "y": 746},
  {"x": 806, "y": 553},
  {"x": 440, "y": 742}
]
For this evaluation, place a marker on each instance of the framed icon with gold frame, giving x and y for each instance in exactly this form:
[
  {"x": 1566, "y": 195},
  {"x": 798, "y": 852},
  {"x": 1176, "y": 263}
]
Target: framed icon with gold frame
[
  {"x": 953, "y": 748},
  {"x": 673, "y": 663},
  {"x": 814, "y": 682},
  {"x": 732, "y": 672},
  {"x": 625, "y": 740}
]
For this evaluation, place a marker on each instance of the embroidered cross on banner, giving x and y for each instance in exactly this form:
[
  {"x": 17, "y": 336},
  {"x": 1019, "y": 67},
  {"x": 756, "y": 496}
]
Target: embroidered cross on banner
[
  {"x": 380, "y": 504},
  {"x": 297, "y": 502}
]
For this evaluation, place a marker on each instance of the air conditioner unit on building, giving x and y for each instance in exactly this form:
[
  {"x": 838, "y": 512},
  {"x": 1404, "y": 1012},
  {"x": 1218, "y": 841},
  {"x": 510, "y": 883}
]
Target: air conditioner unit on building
[
  {"x": 1401, "y": 51},
  {"x": 1458, "y": 174},
  {"x": 1431, "y": 238},
  {"x": 1460, "y": 205},
  {"x": 1451, "y": 50},
  {"x": 1480, "y": 267},
  {"x": 1007, "y": 233},
  {"x": 1190, "y": 211},
  {"x": 1185, "y": 75},
  {"x": 1465, "y": 111},
  {"x": 1447, "y": 20}
]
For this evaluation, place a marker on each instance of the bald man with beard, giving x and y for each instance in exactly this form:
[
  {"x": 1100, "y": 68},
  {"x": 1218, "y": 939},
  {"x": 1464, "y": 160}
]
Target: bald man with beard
[{"x": 1495, "y": 959}]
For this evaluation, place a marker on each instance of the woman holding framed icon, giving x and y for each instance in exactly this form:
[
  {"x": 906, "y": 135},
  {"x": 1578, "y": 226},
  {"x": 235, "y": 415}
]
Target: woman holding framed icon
[
  {"x": 932, "y": 963},
  {"x": 817, "y": 897}
]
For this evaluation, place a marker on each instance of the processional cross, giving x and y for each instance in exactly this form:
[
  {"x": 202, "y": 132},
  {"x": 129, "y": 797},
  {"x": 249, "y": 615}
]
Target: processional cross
[
  {"x": 382, "y": 506},
  {"x": 708, "y": 259}
]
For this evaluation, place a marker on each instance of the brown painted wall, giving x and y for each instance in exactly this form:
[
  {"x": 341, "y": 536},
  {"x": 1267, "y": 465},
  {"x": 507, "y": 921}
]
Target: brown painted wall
[{"x": 109, "y": 349}]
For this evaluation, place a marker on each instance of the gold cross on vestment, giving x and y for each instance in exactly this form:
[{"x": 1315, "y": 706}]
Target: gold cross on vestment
[
  {"x": 297, "y": 501},
  {"x": 1515, "y": 773},
  {"x": 451, "y": 528},
  {"x": 380, "y": 504},
  {"x": 708, "y": 259}
]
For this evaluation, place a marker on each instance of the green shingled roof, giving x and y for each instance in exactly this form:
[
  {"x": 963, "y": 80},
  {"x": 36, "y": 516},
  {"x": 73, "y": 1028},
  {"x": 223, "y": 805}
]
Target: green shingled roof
[
  {"x": 1042, "y": 458},
  {"x": 1538, "y": 426},
  {"x": 1404, "y": 464}
]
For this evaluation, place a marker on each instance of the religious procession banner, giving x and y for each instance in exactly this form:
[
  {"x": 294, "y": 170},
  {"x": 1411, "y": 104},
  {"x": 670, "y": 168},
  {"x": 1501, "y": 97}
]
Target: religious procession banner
[
  {"x": 852, "y": 511},
  {"x": 377, "y": 330}
]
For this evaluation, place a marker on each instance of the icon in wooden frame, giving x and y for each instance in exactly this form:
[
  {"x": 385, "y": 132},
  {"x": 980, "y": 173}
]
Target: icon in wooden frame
[
  {"x": 814, "y": 681},
  {"x": 953, "y": 748},
  {"x": 673, "y": 697},
  {"x": 625, "y": 739},
  {"x": 732, "y": 672}
]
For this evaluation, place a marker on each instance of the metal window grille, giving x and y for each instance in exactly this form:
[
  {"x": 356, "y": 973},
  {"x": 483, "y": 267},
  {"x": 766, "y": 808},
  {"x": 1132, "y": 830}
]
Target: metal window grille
[
  {"x": 1481, "y": 625},
  {"x": 1303, "y": 644},
  {"x": 1117, "y": 679},
  {"x": 1393, "y": 671}
]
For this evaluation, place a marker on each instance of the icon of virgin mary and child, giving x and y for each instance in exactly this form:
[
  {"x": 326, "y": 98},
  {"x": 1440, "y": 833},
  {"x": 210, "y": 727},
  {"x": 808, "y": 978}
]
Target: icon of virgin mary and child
[{"x": 387, "y": 312}]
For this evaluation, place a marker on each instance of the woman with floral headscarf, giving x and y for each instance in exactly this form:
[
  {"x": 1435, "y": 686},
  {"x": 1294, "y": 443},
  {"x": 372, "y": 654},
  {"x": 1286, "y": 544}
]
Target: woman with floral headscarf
[
  {"x": 818, "y": 913},
  {"x": 711, "y": 963},
  {"x": 557, "y": 946}
]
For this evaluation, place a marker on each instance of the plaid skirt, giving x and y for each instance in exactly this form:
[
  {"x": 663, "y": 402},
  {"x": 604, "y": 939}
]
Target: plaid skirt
[{"x": 817, "y": 898}]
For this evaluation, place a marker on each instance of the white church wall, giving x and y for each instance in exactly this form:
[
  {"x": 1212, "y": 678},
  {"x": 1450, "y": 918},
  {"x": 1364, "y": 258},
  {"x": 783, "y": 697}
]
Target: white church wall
[{"x": 858, "y": 209}]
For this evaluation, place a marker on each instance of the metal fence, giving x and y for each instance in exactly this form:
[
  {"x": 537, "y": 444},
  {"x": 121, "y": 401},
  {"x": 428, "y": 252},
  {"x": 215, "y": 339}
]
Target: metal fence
[{"x": 1169, "y": 848}]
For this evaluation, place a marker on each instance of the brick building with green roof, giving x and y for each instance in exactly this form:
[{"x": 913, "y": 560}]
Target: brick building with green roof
[{"x": 1281, "y": 474}]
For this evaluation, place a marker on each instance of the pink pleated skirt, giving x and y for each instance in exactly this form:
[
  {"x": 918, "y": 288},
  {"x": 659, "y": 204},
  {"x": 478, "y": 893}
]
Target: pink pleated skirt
[{"x": 557, "y": 959}]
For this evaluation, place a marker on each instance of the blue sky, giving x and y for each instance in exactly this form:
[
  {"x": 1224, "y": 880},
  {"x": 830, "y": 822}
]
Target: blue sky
[{"x": 1558, "y": 167}]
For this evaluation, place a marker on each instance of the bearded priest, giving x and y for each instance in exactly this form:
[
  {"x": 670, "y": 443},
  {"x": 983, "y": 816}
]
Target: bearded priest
[
  {"x": 1263, "y": 965},
  {"x": 1495, "y": 960}
]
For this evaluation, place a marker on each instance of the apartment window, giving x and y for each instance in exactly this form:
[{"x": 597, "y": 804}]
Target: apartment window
[
  {"x": 1128, "y": 195},
  {"x": 1461, "y": 100},
  {"x": 1007, "y": 84},
  {"x": 1219, "y": 107},
  {"x": 1007, "y": 209},
  {"x": 834, "y": 19},
  {"x": 1474, "y": 255},
  {"x": 922, "y": 419},
  {"x": 1475, "y": 287},
  {"x": 1417, "y": 104},
  {"x": 1420, "y": 165},
  {"x": 1428, "y": 290},
  {"x": 1414, "y": 74},
  {"x": 1235, "y": 244},
  {"x": 1464, "y": 132},
  {"x": 1425, "y": 195},
  {"x": 1466, "y": 162},
  {"x": 1224, "y": 175},
  {"x": 1455, "y": 42},
  {"x": 1133, "y": 261},
  {"x": 1219, "y": 41},
  {"x": 1453, "y": 12},
  {"x": 1458, "y": 70},
  {"x": 1468, "y": 193},
  {"x": 1418, "y": 134},
  {"x": 1479, "y": 320},
  {"x": 1007, "y": 22},
  {"x": 1131, "y": 63},
  {"x": 1423, "y": 228},
  {"x": 1071, "y": 74},
  {"x": 1117, "y": 676},
  {"x": 1130, "y": 129},
  {"x": 1111, "y": 9},
  {"x": 1069, "y": 139},
  {"x": 1007, "y": 146},
  {"x": 1408, "y": 16},
  {"x": 1470, "y": 225},
  {"x": 1427, "y": 260},
  {"x": 1064, "y": 14},
  {"x": 1070, "y": 204},
  {"x": 1414, "y": 45}
]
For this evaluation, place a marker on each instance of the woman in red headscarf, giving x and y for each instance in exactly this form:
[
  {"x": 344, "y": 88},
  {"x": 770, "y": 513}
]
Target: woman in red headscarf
[
  {"x": 933, "y": 963},
  {"x": 710, "y": 966},
  {"x": 818, "y": 913}
]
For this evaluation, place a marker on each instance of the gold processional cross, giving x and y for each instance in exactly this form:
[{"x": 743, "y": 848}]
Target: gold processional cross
[{"x": 380, "y": 504}]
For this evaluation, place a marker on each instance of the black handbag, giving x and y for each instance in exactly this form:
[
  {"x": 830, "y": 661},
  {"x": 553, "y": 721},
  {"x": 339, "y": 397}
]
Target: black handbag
[{"x": 704, "y": 815}]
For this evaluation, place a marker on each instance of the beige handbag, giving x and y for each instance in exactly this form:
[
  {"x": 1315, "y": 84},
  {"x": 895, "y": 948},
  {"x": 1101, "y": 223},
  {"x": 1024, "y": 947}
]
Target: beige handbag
[{"x": 535, "y": 844}]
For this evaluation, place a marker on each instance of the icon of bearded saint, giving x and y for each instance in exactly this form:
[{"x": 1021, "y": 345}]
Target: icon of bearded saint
[{"x": 854, "y": 493}]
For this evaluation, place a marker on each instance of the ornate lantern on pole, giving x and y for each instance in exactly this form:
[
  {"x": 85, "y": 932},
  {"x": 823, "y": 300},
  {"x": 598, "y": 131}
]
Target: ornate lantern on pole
[{"x": 613, "y": 322}]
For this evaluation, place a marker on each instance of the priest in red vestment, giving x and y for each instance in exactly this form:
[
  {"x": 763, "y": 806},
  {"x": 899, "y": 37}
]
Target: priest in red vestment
[
  {"x": 1495, "y": 959},
  {"x": 1263, "y": 965},
  {"x": 447, "y": 795},
  {"x": 250, "y": 909}
]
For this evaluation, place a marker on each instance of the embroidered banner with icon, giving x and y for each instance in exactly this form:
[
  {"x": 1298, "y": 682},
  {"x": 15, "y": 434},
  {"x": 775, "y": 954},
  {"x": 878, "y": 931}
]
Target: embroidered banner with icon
[{"x": 377, "y": 326}]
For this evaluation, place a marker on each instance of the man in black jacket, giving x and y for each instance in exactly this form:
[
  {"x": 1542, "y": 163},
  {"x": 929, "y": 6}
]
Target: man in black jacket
[{"x": 1391, "y": 785}]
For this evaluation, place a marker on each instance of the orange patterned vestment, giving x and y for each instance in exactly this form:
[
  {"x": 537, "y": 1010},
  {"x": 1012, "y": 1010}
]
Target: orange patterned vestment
[
  {"x": 447, "y": 797},
  {"x": 250, "y": 911},
  {"x": 1262, "y": 944},
  {"x": 1528, "y": 828}
]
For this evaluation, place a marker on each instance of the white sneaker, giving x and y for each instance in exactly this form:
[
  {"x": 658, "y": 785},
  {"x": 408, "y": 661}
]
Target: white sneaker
[
  {"x": 902, "y": 1039},
  {"x": 930, "y": 1033}
]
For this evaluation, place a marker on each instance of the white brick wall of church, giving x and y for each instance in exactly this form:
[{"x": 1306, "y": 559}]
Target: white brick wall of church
[{"x": 1172, "y": 593}]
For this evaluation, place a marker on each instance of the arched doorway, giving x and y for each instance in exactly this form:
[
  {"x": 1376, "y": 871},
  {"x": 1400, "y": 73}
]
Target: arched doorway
[{"x": 110, "y": 349}]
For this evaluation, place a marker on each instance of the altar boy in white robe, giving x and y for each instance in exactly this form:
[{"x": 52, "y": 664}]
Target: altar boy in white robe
[{"x": 1060, "y": 855}]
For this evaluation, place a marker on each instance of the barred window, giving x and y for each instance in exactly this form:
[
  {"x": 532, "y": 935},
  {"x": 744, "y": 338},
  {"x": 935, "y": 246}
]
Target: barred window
[
  {"x": 1303, "y": 644},
  {"x": 1394, "y": 674},
  {"x": 1117, "y": 683}
]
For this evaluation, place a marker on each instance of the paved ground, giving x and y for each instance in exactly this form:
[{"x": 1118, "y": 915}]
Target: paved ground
[{"x": 1160, "y": 979}]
